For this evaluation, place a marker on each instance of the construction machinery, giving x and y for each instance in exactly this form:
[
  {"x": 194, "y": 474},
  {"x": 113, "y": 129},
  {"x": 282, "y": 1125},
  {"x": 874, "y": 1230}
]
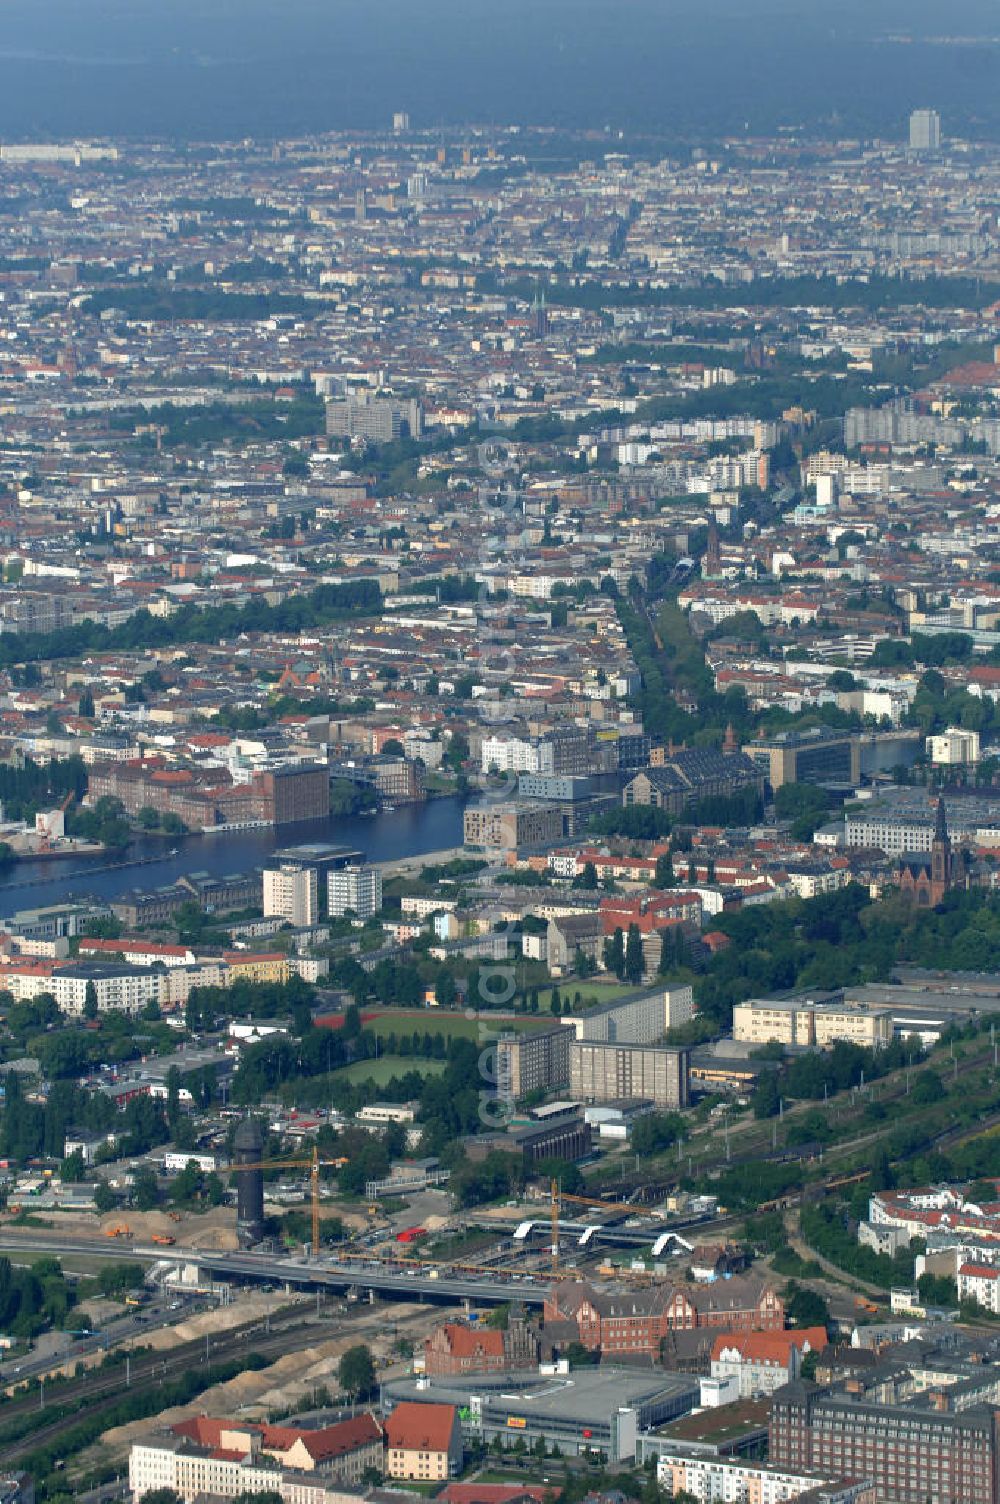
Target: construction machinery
[
  {"x": 313, "y": 1164},
  {"x": 559, "y": 1196}
]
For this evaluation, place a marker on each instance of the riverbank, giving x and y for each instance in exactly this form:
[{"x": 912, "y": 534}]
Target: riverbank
[
  {"x": 58, "y": 852},
  {"x": 410, "y": 834}
]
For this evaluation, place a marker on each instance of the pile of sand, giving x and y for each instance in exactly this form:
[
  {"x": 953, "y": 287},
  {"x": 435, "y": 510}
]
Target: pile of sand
[
  {"x": 251, "y": 1305},
  {"x": 290, "y": 1380},
  {"x": 288, "y": 1383},
  {"x": 214, "y": 1229}
]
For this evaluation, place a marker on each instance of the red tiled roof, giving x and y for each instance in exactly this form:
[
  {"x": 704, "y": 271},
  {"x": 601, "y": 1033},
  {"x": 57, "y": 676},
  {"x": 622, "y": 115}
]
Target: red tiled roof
[
  {"x": 980, "y": 1271},
  {"x": 770, "y": 1347},
  {"x": 413, "y": 1427},
  {"x": 136, "y": 947},
  {"x": 330, "y": 1441},
  {"x": 464, "y": 1342}
]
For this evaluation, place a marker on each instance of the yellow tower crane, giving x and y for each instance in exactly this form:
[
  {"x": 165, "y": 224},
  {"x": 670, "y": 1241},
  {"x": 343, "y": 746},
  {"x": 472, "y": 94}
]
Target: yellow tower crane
[
  {"x": 559, "y": 1196},
  {"x": 313, "y": 1164}
]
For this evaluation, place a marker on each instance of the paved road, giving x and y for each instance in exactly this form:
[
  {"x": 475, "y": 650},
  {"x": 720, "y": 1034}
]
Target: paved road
[
  {"x": 278, "y": 1269},
  {"x": 119, "y": 1329}
]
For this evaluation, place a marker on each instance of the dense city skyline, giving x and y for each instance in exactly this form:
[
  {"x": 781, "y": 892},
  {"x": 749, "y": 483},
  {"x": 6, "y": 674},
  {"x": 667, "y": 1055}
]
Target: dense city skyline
[{"x": 499, "y": 752}]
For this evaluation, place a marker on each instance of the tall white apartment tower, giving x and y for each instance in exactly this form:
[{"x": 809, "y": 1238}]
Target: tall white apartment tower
[
  {"x": 292, "y": 894},
  {"x": 925, "y": 130},
  {"x": 356, "y": 888}
]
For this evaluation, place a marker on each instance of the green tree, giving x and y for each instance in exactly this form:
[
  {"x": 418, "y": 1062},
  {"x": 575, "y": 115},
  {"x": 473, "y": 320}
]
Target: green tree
[
  {"x": 116, "y": 1279},
  {"x": 614, "y": 953},
  {"x": 633, "y": 955},
  {"x": 105, "y": 1199},
  {"x": 982, "y": 1192},
  {"x": 805, "y": 1308},
  {"x": 357, "y": 1372},
  {"x": 90, "y": 1001},
  {"x": 173, "y": 1097},
  {"x": 145, "y": 1190},
  {"x": 73, "y": 1168},
  {"x": 664, "y": 876}
]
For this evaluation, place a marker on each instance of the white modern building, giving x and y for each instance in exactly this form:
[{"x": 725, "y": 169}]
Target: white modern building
[
  {"x": 119, "y": 989},
  {"x": 635, "y": 1020},
  {"x": 292, "y": 893},
  {"x": 954, "y": 746},
  {"x": 719, "y": 1480},
  {"x": 356, "y": 888},
  {"x": 980, "y": 1283},
  {"x": 925, "y": 130}
]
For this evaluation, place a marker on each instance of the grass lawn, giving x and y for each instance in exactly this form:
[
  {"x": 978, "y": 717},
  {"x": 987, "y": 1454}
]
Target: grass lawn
[
  {"x": 382, "y": 1070},
  {"x": 590, "y": 991},
  {"x": 456, "y": 1025},
  {"x": 451, "y": 1025}
]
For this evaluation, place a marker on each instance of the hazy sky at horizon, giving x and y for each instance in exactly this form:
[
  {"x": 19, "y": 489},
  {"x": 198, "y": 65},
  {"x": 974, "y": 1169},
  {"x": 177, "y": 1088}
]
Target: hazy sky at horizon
[{"x": 265, "y": 67}]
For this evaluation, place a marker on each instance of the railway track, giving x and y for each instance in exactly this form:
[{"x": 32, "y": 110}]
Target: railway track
[{"x": 101, "y": 1390}]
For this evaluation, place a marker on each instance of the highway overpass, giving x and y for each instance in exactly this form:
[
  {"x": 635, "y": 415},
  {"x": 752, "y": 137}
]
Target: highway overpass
[{"x": 278, "y": 1268}]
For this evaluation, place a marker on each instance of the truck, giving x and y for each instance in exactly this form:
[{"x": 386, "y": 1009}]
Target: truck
[
  {"x": 163, "y": 1239},
  {"x": 120, "y": 1230}
]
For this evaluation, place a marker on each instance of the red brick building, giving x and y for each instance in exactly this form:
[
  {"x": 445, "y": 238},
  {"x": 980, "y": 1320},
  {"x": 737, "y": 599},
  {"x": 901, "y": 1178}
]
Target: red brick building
[
  {"x": 637, "y": 1321},
  {"x": 649, "y": 911},
  {"x": 926, "y": 878},
  {"x": 456, "y": 1348},
  {"x": 913, "y": 1452},
  {"x": 208, "y": 796}
]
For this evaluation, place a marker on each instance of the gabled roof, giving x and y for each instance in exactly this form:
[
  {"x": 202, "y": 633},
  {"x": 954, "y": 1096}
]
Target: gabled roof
[
  {"x": 330, "y": 1441},
  {"x": 413, "y": 1427},
  {"x": 465, "y": 1342},
  {"x": 493, "y": 1493},
  {"x": 769, "y": 1347}
]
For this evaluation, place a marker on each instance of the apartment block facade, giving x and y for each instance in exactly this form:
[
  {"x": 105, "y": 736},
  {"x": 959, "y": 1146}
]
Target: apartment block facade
[
  {"x": 913, "y": 1453},
  {"x": 510, "y": 825},
  {"x": 601, "y": 1071},
  {"x": 535, "y": 1060},
  {"x": 358, "y": 888},
  {"x": 292, "y": 894}
]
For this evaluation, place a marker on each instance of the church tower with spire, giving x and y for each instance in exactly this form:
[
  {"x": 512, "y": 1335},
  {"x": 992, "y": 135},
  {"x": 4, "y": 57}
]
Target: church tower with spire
[
  {"x": 711, "y": 566},
  {"x": 926, "y": 876},
  {"x": 941, "y": 862}
]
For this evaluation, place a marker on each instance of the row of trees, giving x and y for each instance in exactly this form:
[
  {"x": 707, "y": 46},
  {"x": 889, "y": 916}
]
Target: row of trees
[
  {"x": 819, "y": 1073},
  {"x": 624, "y": 955},
  {"x": 210, "y": 624},
  {"x": 37, "y": 786},
  {"x": 33, "y": 1298}
]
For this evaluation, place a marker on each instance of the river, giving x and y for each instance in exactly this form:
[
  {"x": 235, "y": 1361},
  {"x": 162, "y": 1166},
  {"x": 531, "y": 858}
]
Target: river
[{"x": 409, "y": 830}]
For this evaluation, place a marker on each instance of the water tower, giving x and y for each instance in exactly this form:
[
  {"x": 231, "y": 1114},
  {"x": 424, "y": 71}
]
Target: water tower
[{"x": 248, "y": 1148}]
